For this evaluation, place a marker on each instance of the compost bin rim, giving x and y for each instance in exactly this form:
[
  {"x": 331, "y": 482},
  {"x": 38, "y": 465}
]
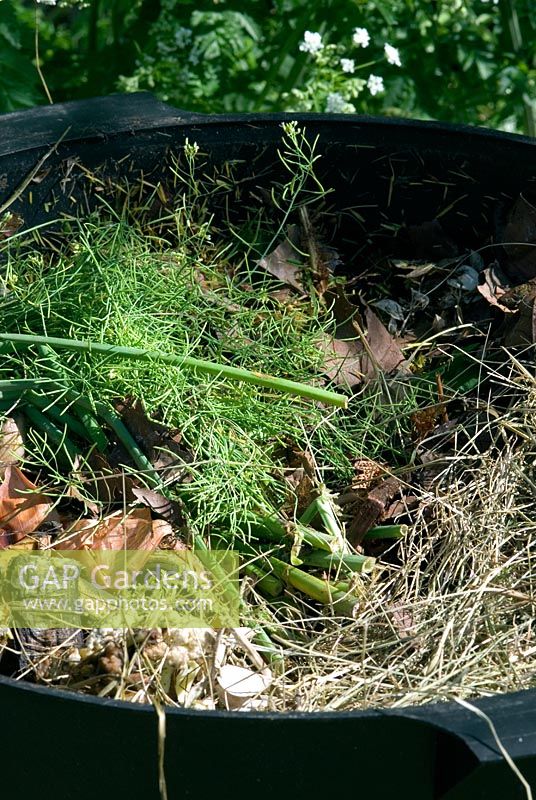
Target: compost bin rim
[
  {"x": 138, "y": 112},
  {"x": 415, "y": 711},
  {"x": 513, "y": 715},
  {"x": 135, "y": 114}
]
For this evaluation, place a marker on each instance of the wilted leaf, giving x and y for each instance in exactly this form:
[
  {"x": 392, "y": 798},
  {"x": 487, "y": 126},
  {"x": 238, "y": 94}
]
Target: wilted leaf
[
  {"x": 342, "y": 363},
  {"x": 300, "y": 478},
  {"x": 10, "y": 224},
  {"x": 285, "y": 262},
  {"x": 370, "y": 510},
  {"x": 161, "y": 444},
  {"x": 22, "y": 508},
  {"x": 493, "y": 288},
  {"x": 169, "y": 510},
  {"x": 344, "y": 312},
  {"x": 119, "y": 531},
  {"x": 238, "y": 685},
  {"x": 386, "y": 353}
]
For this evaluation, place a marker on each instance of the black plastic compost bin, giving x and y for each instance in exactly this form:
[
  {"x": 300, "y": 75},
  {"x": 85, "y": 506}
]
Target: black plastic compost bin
[{"x": 387, "y": 175}]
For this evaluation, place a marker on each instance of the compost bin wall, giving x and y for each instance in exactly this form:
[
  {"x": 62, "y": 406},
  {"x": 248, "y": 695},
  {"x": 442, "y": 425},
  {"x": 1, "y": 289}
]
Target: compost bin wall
[{"x": 385, "y": 176}]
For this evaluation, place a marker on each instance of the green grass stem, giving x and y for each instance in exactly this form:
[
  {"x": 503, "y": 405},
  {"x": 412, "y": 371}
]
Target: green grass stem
[{"x": 206, "y": 367}]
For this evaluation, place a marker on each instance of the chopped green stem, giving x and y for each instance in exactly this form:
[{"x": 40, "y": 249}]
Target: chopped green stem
[
  {"x": 59, "y": 415},
  {"x": 313, "y": 587},
  {"x": 267, "y": 583},
  {"x": 93, "y": 430},
  {"x": 57, "y": 436},
  {"x": 121, "y": 431},
  {"x": 275, "y": 530},
  {"x": 22, "y": 384},
  {"x": 207, "y": 367},
  {"x": 327, "y": 514},
  {"x": 387, "y": 532},
  {"x": 348, "y": 562},
  {"x": 270, "y": 652}
]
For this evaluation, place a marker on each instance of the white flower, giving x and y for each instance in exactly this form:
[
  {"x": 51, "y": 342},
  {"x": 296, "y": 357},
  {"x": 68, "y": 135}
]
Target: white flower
[
  {"x": 361, "y": 37},
  {"x": 336, "y": 104},
  {"x": 375, "y": 84},
  {"x": 312, "y": 42},
  {"x": 392, "y": 55},
  {"x": 347, "y": 64},
  {"x": 47, "y": 2}
]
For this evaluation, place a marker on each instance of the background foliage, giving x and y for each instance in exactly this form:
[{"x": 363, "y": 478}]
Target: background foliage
[{"x": 468, "y": 61}]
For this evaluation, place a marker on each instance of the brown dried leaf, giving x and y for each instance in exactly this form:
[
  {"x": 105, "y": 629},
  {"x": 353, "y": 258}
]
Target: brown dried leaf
[
  {"x": 344, "y": 312},
  {"x": 10, "y": 224},
  {"x": 161, "y": 444},
  {"x": 386, "y": 353},
  {"x": 342, "y": 363},
  {"x": 285, "y": 262},
  {"x": 169, "y": 510},
  {"x": 118, "y": 531},
  {"x": 370, "y": 510},
  {"x": 301, "y": 478},
  {"x": 22, "y": 508},
  {"x": 493, "y": 290}
]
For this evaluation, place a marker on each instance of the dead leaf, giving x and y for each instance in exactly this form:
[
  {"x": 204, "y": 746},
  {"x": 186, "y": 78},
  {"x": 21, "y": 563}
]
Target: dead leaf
[
  {"x": 22, "y": 508},
  {"x": 300, "y": 479},
  {"x": 239, "y": 685},
  {"x": 493, "y": 289},
  {"x": 11, "y": 443},
  {"x": 369, "y": 511},
  {"x": 344, "y": 312},
  {"x": 402, "y": 620},
  {"x": 519, "y": 239},
  {"x": 118, "y": 531},
  {"x": 168, "y": 540},
  {"x": 10, "y": 223},
  {"x": 342, "y": 363},
  {"x": 286, "y": 262},
  {"x": 169, "y": 510},
  {"x": 386, "y": 355},
  {"x": 161, "y": 444}
]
